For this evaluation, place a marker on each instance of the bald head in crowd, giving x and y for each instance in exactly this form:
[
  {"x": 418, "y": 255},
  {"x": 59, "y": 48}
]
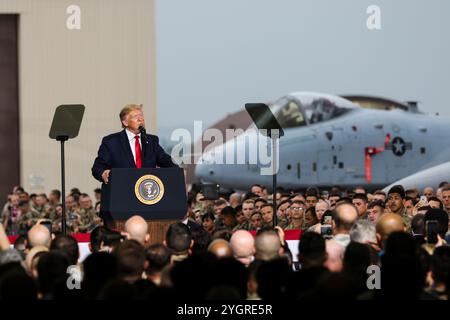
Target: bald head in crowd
[
  {"x": 346, "y": 215},
  {"x": 387, "y": 224},
  {"x": 267, "y": 245},
  {"x": 39, "y": 235},
  {"x": 137, "y": 229},
  {"x": 243, "y": 245},
  {"x": 220, "y": 248}
]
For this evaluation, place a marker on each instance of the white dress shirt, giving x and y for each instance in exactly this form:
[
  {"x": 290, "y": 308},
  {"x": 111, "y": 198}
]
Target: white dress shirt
[{"x": 132, "y": 142}]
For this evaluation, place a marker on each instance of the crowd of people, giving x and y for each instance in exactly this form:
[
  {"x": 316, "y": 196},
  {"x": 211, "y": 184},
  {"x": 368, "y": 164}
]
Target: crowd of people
[
  {"x": 234, "y": 247},
  {"x": 23, "y": 210}
]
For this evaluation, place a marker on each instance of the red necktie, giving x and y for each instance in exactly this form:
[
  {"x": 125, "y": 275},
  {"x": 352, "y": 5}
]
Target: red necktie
[{"x": 137, "y": 148}]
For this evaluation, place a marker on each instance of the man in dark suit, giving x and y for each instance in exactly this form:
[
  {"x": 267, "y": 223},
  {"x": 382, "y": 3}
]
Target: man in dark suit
[{"x": 129, "y": 148}]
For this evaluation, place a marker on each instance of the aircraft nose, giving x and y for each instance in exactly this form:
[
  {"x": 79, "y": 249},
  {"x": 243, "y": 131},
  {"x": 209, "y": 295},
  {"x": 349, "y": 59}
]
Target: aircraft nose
[
  {"x": 228, "y": 164},
  {"x": 206, "y": 169}
]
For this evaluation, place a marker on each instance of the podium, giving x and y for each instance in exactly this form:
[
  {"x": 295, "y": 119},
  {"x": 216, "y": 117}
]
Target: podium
[{"x": 156, "y": 194}]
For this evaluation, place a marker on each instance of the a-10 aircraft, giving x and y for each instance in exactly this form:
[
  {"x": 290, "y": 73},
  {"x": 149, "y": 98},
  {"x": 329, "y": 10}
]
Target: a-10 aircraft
[{"x": 346, "y": 141}]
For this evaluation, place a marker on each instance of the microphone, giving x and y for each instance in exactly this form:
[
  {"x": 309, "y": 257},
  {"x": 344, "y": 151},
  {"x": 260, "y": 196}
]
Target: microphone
[{"x": 143, "y": 134}]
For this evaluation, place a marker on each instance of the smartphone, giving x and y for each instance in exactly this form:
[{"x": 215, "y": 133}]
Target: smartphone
[
  {"x": 423, "y": 199},
  {"x": 326, "y": 231},
  {"x": 431, "y": 230},
  {"x": 327, "y": 220}
]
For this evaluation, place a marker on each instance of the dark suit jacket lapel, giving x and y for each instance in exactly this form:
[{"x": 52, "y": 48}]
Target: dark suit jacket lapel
[
  {"x": 126, "y": 148},
  {"x": 144, "y": 145}
]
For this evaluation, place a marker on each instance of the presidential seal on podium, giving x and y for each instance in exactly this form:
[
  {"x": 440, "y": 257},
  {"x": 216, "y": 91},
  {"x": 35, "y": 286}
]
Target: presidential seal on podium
[{"x": 149, "y": 189}]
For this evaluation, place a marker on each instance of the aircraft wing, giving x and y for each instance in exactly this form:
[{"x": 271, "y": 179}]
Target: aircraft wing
[
  {"x": 430, "y": 177},
  {"x": 440, "y": 157}
]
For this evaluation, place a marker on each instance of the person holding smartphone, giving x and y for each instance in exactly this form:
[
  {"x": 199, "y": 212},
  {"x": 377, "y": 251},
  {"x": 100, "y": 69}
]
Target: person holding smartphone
[
  {"x": 436, "y": 226},
  {"x": 322, "y": 206}
]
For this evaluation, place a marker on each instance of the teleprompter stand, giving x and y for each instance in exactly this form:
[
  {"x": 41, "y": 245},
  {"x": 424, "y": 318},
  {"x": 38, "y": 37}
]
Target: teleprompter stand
[
  {"x": 66, "y": 125},
  {"x": 268, "y": 126}
]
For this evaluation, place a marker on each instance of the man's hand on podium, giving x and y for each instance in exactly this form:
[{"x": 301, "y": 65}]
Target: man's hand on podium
[{"x": 105, "y": 176}]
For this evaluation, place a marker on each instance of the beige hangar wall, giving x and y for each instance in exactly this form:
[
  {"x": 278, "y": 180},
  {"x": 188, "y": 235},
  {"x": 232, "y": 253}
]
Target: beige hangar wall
[{"x": 106, "y": 64}]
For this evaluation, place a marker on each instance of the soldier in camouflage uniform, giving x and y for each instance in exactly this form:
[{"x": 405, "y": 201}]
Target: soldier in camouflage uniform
[
  {"x": 243, "y": 223},
  {"x": 395, "y": 204},
  {"x": 248, "y": 207},
  {"x": 53, "y": 201},
  {"x": 297, "y": 212},
  {"x": 256, "y": 221},
  {"x": 55, "y": 217},
  {"x": 89, "y": 218},
  {"x": 54, "y": 198},
  {"x": 72, "y": 213},
  {"x": 41, "y": 206},
  {"x": 28, "y": 216},
  {"x": 267, "y": 215},
  {"x": 283, "y": 221},
  {"x": 11, "y": 214},
  {"x": 87, "y": 214},
  {"x": 71, "y": 221},
  {"x": 219, "y": 204}
]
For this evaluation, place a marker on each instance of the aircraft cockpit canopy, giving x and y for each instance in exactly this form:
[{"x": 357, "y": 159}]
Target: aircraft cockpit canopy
[{"x": 293, "y": 112}]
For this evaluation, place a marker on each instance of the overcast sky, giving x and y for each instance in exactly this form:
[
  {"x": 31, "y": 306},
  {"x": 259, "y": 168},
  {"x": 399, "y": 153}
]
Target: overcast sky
[{"x": 213, "y": 56}]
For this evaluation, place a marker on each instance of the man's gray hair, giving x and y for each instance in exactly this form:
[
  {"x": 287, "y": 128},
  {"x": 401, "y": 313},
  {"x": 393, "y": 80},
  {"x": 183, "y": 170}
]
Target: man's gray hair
[{"x": 363, "y": 231}]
